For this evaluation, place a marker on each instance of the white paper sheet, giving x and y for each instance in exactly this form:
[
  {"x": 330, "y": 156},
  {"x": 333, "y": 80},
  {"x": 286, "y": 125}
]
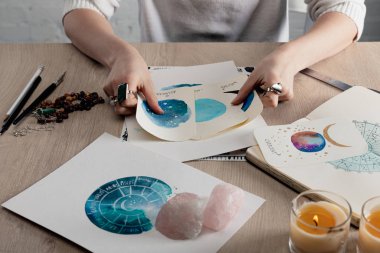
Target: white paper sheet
[
  {"x": 197, "y": 112},
  {"x": 231, "y": 140},
  {"x": 57, "y": 202}
]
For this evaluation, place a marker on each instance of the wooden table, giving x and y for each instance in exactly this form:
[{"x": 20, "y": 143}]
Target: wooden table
[{"x": 25, "y": 160}]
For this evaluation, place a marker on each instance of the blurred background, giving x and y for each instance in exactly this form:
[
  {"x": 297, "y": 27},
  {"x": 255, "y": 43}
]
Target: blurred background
[{"x": 40, "y": 21}]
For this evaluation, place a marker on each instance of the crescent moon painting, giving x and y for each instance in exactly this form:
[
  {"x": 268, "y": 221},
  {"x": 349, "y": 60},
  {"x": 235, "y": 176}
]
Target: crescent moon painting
[{"x": 329, "y": 139}]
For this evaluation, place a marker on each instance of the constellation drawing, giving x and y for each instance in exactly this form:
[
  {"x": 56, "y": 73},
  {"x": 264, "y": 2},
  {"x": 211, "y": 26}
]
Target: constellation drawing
[
  {"x": 127, "y": 205},
  {"x": 370, "y": 161}
]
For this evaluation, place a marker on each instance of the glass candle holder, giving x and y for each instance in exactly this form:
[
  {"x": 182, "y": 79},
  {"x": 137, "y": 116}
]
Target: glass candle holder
[
  {"x": 319, "y": 223},
  {"x": 369, "y": 230}
]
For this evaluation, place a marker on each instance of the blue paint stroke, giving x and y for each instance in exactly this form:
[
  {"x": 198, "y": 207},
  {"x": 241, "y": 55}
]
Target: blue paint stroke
[
  {"x": 181, "y": 85},
  {"x": 248, "y": 101},
  {"x": 207, "y": 109},
  {"x": 127, "y": 205},
  {"x": 175, "y": 113}
]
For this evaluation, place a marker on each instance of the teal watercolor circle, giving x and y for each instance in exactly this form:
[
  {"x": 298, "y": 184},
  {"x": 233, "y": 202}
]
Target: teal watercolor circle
[{"x": 127, "y": 205}]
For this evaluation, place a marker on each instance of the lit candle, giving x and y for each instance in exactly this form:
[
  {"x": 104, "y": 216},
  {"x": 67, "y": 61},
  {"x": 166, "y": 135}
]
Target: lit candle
[
  {"x": 320, "y": 227},
  {"x": 369, "y": 231}
]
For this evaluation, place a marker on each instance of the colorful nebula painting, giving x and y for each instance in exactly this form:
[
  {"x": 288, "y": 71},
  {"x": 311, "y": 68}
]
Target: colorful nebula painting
[
  {"x": 181, "y": 85},
  {"x": 175, "y": 112},
  {"x": 127, "y": 205},
  {"x": 207, "y": 109},
  {"x": 308, "y": 141}
]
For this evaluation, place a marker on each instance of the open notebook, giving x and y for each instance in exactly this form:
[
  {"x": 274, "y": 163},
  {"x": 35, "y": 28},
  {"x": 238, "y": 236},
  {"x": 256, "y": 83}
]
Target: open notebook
[{"x": 356, "y": 178}]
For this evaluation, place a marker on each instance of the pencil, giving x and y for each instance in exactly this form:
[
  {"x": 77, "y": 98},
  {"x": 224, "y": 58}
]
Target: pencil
[{"x": 24, "y": 92}]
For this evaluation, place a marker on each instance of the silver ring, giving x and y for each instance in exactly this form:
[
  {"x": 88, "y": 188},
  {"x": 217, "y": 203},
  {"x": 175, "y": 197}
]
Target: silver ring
[
  {"x": 276, "y": 88},
  {"x": 113, "y": 100}
]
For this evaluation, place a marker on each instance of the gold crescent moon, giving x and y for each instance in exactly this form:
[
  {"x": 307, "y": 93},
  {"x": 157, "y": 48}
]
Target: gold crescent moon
[{"x": 327, "y": 137}]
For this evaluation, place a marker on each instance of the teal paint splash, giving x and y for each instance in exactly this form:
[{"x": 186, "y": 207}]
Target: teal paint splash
[
  {"x": 127, "y": 205},
  {"x": 208, "y": 109}
]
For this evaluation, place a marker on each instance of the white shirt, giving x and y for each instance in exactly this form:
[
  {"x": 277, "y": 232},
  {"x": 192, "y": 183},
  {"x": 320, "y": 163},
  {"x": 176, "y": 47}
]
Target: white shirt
[{"x": 220, "y": 20}]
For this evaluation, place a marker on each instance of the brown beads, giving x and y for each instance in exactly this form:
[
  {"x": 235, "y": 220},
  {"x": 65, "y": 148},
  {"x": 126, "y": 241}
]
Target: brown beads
[{"x": 59, "y": 110}]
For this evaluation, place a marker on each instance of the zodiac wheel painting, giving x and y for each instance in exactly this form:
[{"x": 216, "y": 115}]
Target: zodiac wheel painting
[{"x": 127, "y": 205}]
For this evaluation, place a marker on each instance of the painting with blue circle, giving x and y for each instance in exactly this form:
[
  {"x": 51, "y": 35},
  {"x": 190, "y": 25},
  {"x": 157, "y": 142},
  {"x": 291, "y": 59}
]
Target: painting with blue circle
[
  {"x": 127, "y": 205},
  {"x": 175, "y": 112},
  {"x": 308, "y": 141}
]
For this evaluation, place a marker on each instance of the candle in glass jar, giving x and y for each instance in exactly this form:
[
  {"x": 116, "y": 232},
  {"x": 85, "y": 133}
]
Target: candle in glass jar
[
  {"x": 317, "y": 227},
  {"x": 369, "y": 233}
]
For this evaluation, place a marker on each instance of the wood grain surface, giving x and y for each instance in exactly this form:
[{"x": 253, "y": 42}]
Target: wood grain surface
[{"x": 25, "y": 160}]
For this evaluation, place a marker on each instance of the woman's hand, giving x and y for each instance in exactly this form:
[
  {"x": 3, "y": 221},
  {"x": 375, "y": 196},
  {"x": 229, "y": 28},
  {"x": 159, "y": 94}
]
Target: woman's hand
[
  {"x": 274, "y": 68},
  {"x": 129, "y": 67}
]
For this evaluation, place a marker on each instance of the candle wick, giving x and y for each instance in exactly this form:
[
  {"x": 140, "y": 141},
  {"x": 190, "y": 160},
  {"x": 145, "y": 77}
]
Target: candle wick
[{"x": 316, "y": 223}]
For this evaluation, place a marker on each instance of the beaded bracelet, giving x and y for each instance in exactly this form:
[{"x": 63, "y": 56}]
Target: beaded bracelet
[{"x": 59, "y": 110}]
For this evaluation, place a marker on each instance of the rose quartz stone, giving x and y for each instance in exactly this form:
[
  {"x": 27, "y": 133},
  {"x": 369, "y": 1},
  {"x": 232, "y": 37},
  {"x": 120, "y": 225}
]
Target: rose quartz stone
[
  {"x": 224, "y": 203},
  {"x": 181, "y": 217}
]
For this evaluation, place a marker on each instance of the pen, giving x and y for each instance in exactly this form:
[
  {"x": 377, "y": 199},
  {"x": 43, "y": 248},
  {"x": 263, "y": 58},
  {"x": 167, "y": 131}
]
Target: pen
[
  {"x": 10, "y": 119},
  {"x": 24, "y": 91},
  {"x": 40, "y": 98}
]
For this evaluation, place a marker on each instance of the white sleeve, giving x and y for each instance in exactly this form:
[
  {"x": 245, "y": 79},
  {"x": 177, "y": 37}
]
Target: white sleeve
[
  {"x": 105, "y": 7},
  {"x": 354, "y": 9}
]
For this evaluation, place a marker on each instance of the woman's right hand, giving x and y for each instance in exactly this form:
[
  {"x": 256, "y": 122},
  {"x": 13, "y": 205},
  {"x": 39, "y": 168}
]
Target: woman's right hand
[{"x": 129, "y": 67}]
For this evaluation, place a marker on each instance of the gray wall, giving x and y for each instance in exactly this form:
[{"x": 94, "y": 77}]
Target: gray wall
[{"x": 40, "y": 21}]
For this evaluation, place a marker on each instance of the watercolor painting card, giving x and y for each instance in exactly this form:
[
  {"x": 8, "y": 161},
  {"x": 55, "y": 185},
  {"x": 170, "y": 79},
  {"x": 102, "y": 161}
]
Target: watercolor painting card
[
  {"x": 106, "y": 203},
  {"x": 196, "y": 112},
  {"x": 209, "y": 74},
  {"x": 316, "y": 141}
]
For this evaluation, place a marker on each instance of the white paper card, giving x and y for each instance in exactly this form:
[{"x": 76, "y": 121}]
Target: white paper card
[
  {"x": 197, "y": 111},
  {"x": 58, "y": 201},
  {"x": 234, "y": 139},
  {"x": 310, "y": 142}
]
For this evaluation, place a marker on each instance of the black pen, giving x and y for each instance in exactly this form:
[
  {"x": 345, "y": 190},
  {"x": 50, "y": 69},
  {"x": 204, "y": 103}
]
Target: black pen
[
  {"x": 21, "y": 101},
  {"x": 40, "y": 98}
]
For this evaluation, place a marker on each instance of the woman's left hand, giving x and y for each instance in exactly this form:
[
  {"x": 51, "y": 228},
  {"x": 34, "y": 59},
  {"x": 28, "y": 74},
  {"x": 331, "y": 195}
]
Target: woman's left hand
[{"x": 274, "y": 68}]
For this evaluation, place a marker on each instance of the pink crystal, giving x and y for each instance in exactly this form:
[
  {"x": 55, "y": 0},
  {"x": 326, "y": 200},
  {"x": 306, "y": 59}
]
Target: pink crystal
[
  {"x": 181, "y": 217},
  {"x": 224, "y": 203}
]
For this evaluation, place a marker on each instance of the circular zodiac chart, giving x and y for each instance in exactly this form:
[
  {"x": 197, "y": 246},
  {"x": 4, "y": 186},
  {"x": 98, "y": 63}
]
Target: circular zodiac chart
[
  {"x": 370, "y": 161},
  {"x": 127, "y": 205}
]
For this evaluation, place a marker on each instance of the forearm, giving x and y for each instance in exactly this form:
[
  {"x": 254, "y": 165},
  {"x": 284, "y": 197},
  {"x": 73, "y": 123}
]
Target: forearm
[
  {"x": 331, "y": 33},
  {"x": 93, "y": 35}
]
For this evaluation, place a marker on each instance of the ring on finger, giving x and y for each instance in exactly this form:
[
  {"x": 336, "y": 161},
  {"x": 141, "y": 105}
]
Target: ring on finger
[
  {"x": 123, "y": 92},
  {"x": 113, "y": 100},
  {"x": 276, "y": 88}
]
